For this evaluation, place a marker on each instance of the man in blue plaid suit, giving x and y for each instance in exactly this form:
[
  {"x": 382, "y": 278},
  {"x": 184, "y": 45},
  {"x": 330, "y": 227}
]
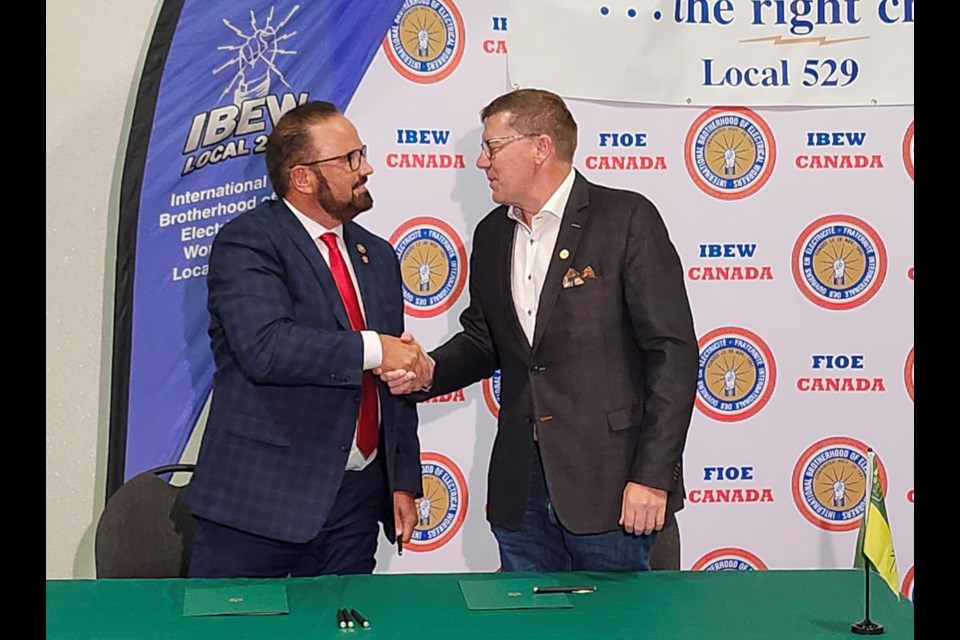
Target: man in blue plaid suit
[{"x": 284, "y": 483}]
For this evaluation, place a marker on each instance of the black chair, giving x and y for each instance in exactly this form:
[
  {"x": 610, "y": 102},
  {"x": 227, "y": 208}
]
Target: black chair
[
  {"x": 665, "y": 554},
  {"x": 146, "y": 530}
]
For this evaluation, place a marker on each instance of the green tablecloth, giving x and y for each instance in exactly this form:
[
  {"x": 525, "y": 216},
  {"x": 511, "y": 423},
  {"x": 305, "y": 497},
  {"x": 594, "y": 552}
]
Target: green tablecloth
[{"x": 667, "y": 605}]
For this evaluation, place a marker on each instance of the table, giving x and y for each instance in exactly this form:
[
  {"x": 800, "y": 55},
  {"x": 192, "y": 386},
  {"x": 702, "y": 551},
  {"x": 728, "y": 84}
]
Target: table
[{"x": 668, "y": 605}]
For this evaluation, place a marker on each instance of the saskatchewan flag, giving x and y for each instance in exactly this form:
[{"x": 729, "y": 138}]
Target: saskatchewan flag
[{"x": 874, "y": 542}]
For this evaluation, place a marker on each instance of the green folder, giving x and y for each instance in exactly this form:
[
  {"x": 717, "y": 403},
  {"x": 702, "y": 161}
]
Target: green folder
[
  {"x": 245, "y": 600},
  {"x": 511, "y": 593}
]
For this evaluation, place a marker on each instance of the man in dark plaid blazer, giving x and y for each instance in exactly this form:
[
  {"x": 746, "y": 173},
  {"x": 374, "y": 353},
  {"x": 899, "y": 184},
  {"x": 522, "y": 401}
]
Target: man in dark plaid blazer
[
  {"x": 284, "y": 484},
  {"x": 577, "y": 297}
]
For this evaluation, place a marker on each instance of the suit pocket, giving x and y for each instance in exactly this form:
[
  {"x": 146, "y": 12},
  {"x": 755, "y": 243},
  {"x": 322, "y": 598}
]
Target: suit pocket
[
  {"x": 258, "y": 430},
  {"x": 625, "y": 418},
  {"x": 589, "y": 288}
]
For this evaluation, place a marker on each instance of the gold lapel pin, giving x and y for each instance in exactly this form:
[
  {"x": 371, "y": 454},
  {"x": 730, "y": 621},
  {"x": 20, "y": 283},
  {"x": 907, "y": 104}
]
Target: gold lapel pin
[
  {"x": 361, "y": 248},
  {"x": 564, "y": 254}
]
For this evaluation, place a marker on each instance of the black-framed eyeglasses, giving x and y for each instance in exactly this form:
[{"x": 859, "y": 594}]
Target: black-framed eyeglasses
[
  {"x": 354, "y": 158},
  {"x": 488, "y": 151}
]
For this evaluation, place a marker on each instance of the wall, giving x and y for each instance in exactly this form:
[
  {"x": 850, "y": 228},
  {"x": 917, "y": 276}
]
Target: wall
[{"x": 94, "y": 55}]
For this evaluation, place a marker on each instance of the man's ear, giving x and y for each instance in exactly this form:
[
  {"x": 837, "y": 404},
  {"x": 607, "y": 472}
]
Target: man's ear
[
  {"x": 301, "y": 179},
  {"x": 543, "y": 145}
]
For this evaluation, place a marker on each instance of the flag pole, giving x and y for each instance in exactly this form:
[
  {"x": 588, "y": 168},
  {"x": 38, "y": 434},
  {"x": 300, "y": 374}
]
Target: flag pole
[{"x": 867, "y": 627}]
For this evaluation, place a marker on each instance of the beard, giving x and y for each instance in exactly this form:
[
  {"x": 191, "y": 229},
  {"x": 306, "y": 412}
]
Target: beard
[{"x": 343, "y": 210}]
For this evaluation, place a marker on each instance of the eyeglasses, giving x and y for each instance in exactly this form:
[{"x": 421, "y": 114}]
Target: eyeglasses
[
  {"x": 488, "y": 151},
  {"x": 352, "y": 157}
]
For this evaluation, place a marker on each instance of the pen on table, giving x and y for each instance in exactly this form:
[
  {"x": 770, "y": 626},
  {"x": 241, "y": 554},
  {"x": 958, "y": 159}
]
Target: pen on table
[
  {"x": 342, "y": 618},
  {"x": 399, "y": 545},
  {"x": 564, "y": 589},
  {"x": 363, "y": 622}
]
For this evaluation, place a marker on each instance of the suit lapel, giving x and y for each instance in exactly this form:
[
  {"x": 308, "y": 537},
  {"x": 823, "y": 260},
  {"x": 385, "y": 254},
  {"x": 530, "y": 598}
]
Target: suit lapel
[
  {"x": 308, "y": 247},
  {"x": 366, "y": 273},
  {"x": 571, "y": 230}
]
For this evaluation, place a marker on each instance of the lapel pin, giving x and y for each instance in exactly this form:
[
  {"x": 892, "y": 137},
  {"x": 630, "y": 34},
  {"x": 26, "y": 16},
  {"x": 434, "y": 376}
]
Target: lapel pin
[
  {"x": 564, "y": 254},
  {"x": 361, "y": 248},
  {"x": 575, "y": 225},
  {"x": 364, "y": 259}
]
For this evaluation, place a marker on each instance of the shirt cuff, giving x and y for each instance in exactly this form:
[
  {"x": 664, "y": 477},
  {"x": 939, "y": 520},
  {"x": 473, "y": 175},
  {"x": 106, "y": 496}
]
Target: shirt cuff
[{"x": 372, "y": 350}]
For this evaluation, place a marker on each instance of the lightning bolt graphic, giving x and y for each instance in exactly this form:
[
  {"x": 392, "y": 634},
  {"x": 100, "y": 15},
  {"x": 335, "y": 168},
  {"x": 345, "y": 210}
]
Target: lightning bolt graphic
[{"x": 821, "y": 40}]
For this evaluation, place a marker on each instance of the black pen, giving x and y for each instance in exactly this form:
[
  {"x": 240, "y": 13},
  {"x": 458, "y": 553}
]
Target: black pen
[
  {"x": 399, "y": 545},
  {"x": 342, "y": 618},
  {"x": 363, "y": 622},
  {"x": 564, "y": 589}
]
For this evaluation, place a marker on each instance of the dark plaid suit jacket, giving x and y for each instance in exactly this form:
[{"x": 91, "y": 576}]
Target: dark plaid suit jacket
[
  {"x": 288, "y": 370},
  {"x": 608, "y": 385}
]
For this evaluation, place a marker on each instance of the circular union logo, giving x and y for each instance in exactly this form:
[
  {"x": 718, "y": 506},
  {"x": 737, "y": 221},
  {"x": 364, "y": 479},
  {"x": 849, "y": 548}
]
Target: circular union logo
[
  {"x": 441, "y": 510},
  {"x": 426, "y": 40},
  {"x": 907, "y": 587},
  {"x": 433, "y": 265},
  {"x": 737, "y": 374},
  {"x": 491, "y": 393},
  {"x": 908, "y": 150},
  {"x": 729, "y": 559},
  {"x": 729, "y": 152},
  {"x": 839, "y": 262},
  {"x": 830, "y": 483},
  {"x": 908, "y": 374}
]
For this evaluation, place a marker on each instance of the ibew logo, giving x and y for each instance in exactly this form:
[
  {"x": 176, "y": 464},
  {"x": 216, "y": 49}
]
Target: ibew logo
[
  {"x": 830, "y": 480},
  {"x": 729, "y": 152},
  {"x": 908, "y": 374},
  {"x": 908, "y": 150},
  {"x": 729, "y": 559},
  {"x": 907, "y": 587},
  {"x": 443, "y": 507},
  {"x": 839, "y": 262},
  {"x": 737, "y": 374},
  {"x": 254, "y": 55},
  {"x": 426, "y": 40}
]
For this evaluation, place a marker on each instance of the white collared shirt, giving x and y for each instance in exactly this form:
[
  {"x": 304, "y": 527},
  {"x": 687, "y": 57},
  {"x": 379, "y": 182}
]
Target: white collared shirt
[
  {"x": 532, "y": 250},
  {"x": 372, "y": 349}
]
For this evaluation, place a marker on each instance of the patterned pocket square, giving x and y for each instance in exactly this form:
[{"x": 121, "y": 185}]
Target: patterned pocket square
[{"x": 573, "y": 278}]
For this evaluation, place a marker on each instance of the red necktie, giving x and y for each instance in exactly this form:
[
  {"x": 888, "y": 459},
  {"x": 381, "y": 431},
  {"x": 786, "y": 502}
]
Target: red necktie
[{"x": 367, "y": 425}]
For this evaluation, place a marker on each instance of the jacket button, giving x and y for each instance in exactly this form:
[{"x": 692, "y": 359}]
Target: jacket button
[
  {"x": 344, "y": 447},
  {"x": 356, "y": 399}
]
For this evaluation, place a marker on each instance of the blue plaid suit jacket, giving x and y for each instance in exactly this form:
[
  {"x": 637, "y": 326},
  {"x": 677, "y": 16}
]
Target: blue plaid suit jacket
[{"x": 288, "y": 370}]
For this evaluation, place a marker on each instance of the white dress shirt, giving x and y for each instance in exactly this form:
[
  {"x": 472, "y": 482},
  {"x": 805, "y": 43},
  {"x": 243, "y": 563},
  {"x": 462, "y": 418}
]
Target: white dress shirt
[
  {"x": 372, "y": 349},
  {"x": 533, "y": 249}
]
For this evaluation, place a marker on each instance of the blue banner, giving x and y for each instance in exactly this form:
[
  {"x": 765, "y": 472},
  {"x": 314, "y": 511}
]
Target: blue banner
[{"x": 217, "y": 77}]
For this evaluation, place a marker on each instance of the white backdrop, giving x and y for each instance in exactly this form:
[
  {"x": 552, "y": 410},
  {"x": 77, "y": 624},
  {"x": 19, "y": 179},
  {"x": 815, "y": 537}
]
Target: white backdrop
[{"x": 829, "y": 375}]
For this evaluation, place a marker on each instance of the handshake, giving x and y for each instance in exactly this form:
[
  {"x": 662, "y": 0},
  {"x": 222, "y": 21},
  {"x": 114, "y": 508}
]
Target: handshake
[{"x": 405, "y": 367}]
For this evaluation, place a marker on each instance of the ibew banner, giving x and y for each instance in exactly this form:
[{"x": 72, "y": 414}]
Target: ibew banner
[
  {"x": 217, "y": 77},
  {"x": 709, "y": 52}
]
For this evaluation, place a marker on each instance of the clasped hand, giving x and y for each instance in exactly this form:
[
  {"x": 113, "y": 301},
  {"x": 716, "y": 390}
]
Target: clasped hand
[{"x": 406, "y": 367}]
